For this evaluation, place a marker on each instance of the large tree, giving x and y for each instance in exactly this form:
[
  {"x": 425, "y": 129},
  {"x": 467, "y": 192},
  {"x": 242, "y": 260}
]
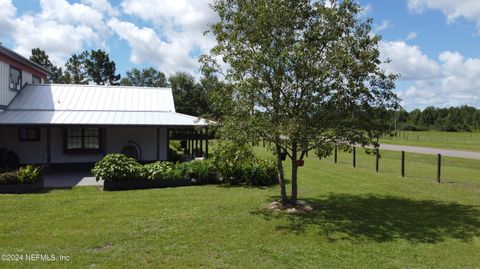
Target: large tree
[
  {"x": 75, "y": 69},
  {"x": 100, "y": 69},
  {"x": 147, "y": 77},
  {"x": 303, "y": 75},
  {"x": 40, "y": 57},
  {"x": 190, "y": 97}
]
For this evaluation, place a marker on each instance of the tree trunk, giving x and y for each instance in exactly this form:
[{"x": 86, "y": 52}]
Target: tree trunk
[
  {"x": 293, "y": 199},
  {"x": 281, "y": 176}
]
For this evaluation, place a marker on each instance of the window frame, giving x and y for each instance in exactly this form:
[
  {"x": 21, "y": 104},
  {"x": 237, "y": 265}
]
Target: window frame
[
  {"x": 38, "y": 78},
  {"x": 101, "y": 138},
  {"x": 19, "y": 85},
  {"x": 35, "y": 139}
]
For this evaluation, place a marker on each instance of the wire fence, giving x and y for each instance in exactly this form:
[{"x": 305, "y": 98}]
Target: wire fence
[{"x": 442, "y": 169}]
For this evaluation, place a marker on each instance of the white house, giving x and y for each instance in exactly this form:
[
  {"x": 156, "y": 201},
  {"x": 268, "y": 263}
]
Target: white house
[{"x": 71, "y": 124}]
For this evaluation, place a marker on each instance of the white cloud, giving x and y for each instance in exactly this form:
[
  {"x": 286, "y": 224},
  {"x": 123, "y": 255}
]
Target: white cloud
[
  {"x": 383, "y": 26},
  {"x": 179, "y": 26},
  {"x": 7, "y": 13},
  {"x": 468, "y": 9},
  {"x": 60, "y": 28},
  {"x": 366, "y": 10},
  {"x": 409, "y": 61},
  {"x": 449, "y": 80},
  {"x": 411, "y": 36},
  {"x": 146, "y": 46}
]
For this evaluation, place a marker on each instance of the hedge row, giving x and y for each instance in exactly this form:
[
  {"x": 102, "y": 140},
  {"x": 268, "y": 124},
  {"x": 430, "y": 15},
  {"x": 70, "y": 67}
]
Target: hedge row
[{"x": 118, "y": 167}]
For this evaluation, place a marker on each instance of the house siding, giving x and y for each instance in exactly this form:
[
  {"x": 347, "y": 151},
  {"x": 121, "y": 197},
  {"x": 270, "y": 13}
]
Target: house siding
[
  {"x": 7, "y": 95},
  {"x": 116, "y": 139}
]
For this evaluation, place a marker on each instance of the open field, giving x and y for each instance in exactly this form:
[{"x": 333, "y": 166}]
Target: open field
[
  {"x": 362, "y": 220},
  {"x": 469, "y": 141}
]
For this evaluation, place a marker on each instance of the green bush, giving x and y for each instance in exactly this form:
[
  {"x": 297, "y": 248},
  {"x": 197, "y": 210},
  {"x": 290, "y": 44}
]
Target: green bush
[
  {"x": 162, "y": 171},
  {"x": 237, "y": 165},
  {"x": 24, "y": 175},
  {"x": 7, "y": 178},
  {"x": 259, "y": 173},
  {"x": 29, "y": 174},
  {"x": 241, "y": 167},
  {"x": 228, "y": 159},
  {"x": 176, "y": 145},
  {"x": 117, "y": 166},
  {"x": 200, "y": 172}
]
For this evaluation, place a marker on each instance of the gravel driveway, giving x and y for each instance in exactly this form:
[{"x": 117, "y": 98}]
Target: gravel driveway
[{"x": 424, "y": 150}]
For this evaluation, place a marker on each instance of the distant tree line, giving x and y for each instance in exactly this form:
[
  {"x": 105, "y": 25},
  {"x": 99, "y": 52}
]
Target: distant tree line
[
  {"x": 452, "y": 119},
  {"x": 95, "y": 67}
]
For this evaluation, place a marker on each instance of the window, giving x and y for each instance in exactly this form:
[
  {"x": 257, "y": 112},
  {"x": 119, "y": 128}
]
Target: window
[
  {"x": 36, "y": 80},
  {"x": 15, "y": 79},
  {"x": 83, "y": 140},
  {"x": 28, "y": 134}
]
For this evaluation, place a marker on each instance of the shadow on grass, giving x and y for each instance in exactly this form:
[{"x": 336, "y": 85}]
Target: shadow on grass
[{"x": 360, "y": 218}]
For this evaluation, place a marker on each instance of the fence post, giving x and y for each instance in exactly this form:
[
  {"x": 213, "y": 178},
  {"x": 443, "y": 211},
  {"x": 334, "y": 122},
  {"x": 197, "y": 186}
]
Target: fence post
[
  {"x": 335, "y": 155},
  {"x": 403, "y": 163},
  {"x": 377, "y": 159},
  {"x": 439, "y": 167},
  {"x": 354, "y": 158}
]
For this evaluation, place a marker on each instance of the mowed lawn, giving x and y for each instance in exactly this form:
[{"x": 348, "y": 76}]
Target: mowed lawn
[
  {"x": 361, "y": 220},
  {"x": 469, "y": 141}
]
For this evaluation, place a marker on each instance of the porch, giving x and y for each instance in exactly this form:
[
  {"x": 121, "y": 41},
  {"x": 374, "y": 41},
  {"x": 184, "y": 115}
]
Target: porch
[{"x": 87, "y": 144}]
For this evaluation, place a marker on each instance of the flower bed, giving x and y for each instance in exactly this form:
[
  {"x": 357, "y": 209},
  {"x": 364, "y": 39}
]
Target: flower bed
[
  {"x": 121, "y": 173},
  {"x": 24, "y": 180}
]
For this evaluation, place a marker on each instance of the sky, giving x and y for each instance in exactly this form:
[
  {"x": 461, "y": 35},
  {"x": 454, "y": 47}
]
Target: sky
[{"x": 433, "y": 44}]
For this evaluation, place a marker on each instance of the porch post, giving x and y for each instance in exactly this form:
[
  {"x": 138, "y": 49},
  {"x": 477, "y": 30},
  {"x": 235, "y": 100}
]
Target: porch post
[
  {"x": 158, "y": 144},
  {"x": 201, "y": 142},
  {"x": 49, "y": 152},
  {"x": 206, "y": 143},
  {"x": 196, "y": 143},
  {"x": 168, "y": 143},
  {"x": 191, "y": 143}
]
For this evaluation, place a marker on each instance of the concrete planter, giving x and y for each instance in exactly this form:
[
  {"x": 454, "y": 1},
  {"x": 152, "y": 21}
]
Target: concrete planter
[
  {"x": 143, "y": 184},
  {"x": 22, "y": 188}
]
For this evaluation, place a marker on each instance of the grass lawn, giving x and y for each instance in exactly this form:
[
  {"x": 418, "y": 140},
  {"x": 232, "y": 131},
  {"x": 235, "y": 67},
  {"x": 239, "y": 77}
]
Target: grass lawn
[
  {"x": 361, "y": 220},
  {"x": 446, "y": 140}
]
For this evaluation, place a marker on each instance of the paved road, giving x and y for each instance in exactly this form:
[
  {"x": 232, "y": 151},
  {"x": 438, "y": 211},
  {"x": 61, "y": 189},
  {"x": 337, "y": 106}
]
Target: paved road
[{"x": 424, "y": 150}]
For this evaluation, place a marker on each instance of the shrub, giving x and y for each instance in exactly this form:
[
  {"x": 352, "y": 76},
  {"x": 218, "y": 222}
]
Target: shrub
[
  {"x": 161, "y": 171},
  {"x": 176, "y": 145},
  {"x": 259, "y": 172},
  {"x": 237, "y": 165},
  {"x": 228, "y": 158},
  {"x": 200, "y": 172},
  {"x": 7, "y": 178},
  {"x": 117, "y": 167},
  {"x": 29, "y": 174}
]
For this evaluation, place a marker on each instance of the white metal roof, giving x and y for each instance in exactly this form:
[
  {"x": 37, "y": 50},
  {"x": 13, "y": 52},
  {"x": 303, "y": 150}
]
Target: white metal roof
[
  {"x": 93, "y": 97},
  {"x": 95, "y": 105}
]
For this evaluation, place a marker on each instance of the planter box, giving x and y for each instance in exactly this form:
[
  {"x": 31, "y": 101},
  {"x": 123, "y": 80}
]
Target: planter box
[
  {"x": 22, "y": 188},
  {"x": 143, "y": 184}
]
